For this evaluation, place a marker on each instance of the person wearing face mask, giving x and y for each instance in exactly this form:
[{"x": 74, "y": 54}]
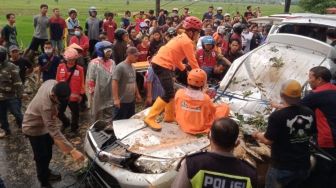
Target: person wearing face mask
[
  {"x": 48, "y": 63},
  {"x": 168, "y": 58},
  {"x": 99, "y": 81},
  {"x": 73, "y": 74},
  {"x": 10, "y": 93},
  {"x": 81, "y": 40},
  {"x": 41, "y": 126}
]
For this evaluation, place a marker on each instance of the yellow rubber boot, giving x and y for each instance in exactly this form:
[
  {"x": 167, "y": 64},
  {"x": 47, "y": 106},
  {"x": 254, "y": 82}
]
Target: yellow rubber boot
[
  {"x": 169, "y": 113},
  {"x": 158, "y": 106}
]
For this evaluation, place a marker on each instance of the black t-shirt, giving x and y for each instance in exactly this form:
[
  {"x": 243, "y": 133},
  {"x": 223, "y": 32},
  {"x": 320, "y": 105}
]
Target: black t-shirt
[
  {"x": 289, "y": 129},
  {"x": 9, "y": 34},
  {"x": 23, "y": 65}
]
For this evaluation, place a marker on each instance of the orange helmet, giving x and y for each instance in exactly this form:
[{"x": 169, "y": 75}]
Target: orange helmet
[
  {"x": 70, "y": 54},
  {"x": 197, "y": 78},
  {"x": 75, "y": 46},
  {"x": 192, "y": 22}
]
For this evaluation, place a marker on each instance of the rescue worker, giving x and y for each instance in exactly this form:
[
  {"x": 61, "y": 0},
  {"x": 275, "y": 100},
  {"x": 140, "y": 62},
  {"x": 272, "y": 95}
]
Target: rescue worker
[
  {"x": 40, "y": 125},
  {"x": 99, "y": 82},
  {"x": 164, "y": 63},
  {"x": 10, "y": 93},
  {"x": 217, "y": 167},
  {"x": 195, "y": 112},
  {"x": 73, "y": 74}
]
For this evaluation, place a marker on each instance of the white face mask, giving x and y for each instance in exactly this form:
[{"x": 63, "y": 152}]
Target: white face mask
[
  {"x": 48, "y": 51},
  {"x": 77, "y": 33}
]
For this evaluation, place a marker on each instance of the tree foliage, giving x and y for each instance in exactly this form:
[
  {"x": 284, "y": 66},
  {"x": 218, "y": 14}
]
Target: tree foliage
[{"x": 317, "y": 6}]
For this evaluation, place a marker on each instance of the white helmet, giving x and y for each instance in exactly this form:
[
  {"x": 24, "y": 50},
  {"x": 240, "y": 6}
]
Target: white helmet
[
  {"x": 219, "y": 8},
  {"x": 92, "y": 9}
]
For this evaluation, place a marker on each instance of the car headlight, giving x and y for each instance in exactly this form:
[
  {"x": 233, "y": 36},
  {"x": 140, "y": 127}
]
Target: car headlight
[{"x": 152, "y": 165}]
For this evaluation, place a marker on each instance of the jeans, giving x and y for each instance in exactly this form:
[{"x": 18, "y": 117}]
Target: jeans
[
  {"x": 125, "y": 111},
  {"x": 276, "y": 178},
  {"x": 57, "y": 44},
  {"x": 74, "y": 108},
  {"x": 14, "y": 107},
  {"x": 42, "y": 149}
]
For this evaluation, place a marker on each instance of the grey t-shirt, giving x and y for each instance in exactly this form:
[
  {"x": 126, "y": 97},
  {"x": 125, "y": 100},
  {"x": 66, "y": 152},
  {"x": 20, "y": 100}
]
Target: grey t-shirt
[
  {"x": 93, "y": 28},
  {"x": 41, "y": 24},
  {"x": 125, "y": 75}
]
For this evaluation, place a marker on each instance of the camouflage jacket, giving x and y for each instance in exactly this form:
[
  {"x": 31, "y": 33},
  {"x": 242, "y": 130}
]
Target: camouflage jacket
[{"x": 10, "y": 81}]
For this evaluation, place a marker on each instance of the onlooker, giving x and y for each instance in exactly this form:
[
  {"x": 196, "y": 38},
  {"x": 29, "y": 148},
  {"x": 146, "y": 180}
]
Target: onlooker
[
  {"x": 246, "y": 38},
  {"x": 134, "y": 38},
  {"x": 57, "y": 27},
  {"x": 207, "y": 32},
  {"x": 185, "y": 14},
  {"x": 256, "y": 38},
  {"x": 41, "y": 25},
  {"x": 234, "y": 51},
  {"x": 93, "y": 28},
  {"x": 143, "y": 48},
  {"x": 227, "y": 19},
  {"x": 161, "y": 18},
  {"x": 126, "y": 20},
  {"x": 120, "y": 45},
  {"x": 218, "y": 167},
  {"x": 171, "y": 33},
  {"x": 331, "y": 35},
  {"x": 124, "y": 88},
  {"x": 151, "y": 15},
  {"x": 219, "y": 14},
  {"x": 288, "y": 132},
  {"x": 48, "y": 62},
  {"x": 9, "y": 33},
  {"x": 139, "y": 18},
  {"x": 80, "y": 39},
  {"x": 25, "y": 66},
  {"x": 73, "y": 74},
  {"x": 72, "y": 22},
  {"x": 40, "y": 125},
  {"x": 99, "y": 81},
  {"x": 257, "y": 12},
  {"x": 155, "y": 43},
  {"x": 109, "y": 26},
  {"x": 10, "y": 92},
  {"x": 208, "y": 15},
  {"x": 248, "y": 14}
]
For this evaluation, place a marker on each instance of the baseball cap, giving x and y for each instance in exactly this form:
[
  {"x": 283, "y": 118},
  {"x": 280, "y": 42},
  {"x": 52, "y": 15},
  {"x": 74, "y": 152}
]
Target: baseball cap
[
  {"x": 132, "y": 50},
  {"x": 13, "y": 47},
  {"x": 291, "y": 88}
]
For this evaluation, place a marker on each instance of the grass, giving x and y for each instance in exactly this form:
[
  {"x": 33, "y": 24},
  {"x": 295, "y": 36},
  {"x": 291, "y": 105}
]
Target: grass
[{"x": 26, "y": 9}]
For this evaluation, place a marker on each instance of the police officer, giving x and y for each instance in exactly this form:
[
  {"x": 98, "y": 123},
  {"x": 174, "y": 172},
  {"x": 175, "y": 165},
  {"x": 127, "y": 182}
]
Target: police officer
[
  {"x": 218, "y": 167},
  {"x": 10, "y": 92}
]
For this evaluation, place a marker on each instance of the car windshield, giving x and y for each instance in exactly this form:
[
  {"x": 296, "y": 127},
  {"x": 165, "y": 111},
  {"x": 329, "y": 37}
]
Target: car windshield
[
  {"x": 259, "y": 78},
  {"x": 318, "y": 32}
]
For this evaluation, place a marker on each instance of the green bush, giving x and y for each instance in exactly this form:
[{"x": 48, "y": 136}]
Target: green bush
[{"x": 317, "y": 6}]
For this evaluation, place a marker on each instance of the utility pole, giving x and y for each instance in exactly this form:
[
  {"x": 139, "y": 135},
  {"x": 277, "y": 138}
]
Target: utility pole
[
  {"x": 157, "y": 7},
  {"x": 287, "y": 5}
]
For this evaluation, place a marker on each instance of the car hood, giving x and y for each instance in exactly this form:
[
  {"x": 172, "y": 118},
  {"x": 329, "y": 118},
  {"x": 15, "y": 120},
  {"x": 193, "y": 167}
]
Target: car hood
[{"x": 169, "y": 143}]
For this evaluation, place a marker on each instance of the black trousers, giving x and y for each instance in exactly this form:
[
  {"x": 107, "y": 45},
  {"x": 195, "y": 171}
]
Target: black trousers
[
  {"x": 42, "y": 149},
  {"x": 125, "y": 111},
  {"x": 166, "y": 78},
  {"x": 74, "y": 108},
  {"x": 36, "y": 42},
  {"x": 92, "y": 44}
]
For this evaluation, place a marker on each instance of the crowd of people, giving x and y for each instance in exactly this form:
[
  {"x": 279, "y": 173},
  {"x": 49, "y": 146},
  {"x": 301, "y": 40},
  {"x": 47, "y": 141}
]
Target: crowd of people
[{"x": 91, "y": 66}]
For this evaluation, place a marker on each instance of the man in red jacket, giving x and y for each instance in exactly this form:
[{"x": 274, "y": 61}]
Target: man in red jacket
[
  {"x": 81, "y": 40},
  {"x": 73, "y": 74}
]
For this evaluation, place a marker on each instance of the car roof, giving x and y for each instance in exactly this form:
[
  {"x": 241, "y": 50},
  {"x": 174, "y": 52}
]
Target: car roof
[{"x": 327, "y": 20}]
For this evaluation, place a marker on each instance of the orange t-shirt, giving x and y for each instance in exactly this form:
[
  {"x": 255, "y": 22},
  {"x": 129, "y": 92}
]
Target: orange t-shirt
[
  {"x": 195, "y": 112},
  {"x": 171, "y": 55}
]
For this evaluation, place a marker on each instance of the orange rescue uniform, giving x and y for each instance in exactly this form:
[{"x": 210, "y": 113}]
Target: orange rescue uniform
[
  {"x": 195, "y": 112},
  {"x": 172, "y": 54}
]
